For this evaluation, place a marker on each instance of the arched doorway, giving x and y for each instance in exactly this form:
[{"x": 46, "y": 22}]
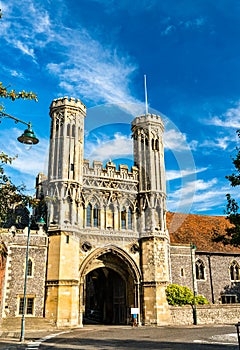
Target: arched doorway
[
  {"x": 105, "y": 297},
  {"x": 109, "y": 287}
]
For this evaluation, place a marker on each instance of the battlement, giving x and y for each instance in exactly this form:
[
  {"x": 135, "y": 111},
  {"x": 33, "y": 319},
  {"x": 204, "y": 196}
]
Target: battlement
[
  {"x": 148, "y": 118},
  {"x": 110, "y": 170},
  {"x": 69, "y": 102}
]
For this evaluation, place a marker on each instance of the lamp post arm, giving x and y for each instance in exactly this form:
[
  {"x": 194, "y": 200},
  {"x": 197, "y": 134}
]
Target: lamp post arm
[{"x": 3, "y": 114}]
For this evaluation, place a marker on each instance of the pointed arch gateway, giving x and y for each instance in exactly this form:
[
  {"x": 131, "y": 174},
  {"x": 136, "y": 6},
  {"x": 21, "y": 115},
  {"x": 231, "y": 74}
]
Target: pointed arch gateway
[{"x": 109, "y": 286}]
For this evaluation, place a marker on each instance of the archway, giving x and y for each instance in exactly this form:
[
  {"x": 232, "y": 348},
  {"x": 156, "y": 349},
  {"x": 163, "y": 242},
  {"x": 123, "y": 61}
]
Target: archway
[
  {"x": 105, "y": 297},
  {"x": 110, "y": 283}
]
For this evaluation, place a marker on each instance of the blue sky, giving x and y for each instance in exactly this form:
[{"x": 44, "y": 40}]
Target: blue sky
[{"x": 98, "y": 51}]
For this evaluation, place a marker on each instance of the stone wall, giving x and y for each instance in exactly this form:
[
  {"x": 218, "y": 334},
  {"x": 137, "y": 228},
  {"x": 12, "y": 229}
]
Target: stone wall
[
  {"x": 217, "y": 279},
  {"x": 206, "y": 314},
  {"x": 13, "y": 290}
]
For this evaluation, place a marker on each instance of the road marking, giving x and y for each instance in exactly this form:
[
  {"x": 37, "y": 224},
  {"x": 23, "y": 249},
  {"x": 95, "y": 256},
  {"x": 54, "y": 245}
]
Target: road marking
[{"x": 35, "y": 345}]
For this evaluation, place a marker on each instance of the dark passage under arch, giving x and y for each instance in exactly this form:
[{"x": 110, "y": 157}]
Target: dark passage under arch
[{"x": 105, "y": 297}]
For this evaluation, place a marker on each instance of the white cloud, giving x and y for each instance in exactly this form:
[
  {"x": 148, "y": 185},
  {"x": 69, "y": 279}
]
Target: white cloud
[
  {"x": 219, "y": 142},
  {"x": 229, "y": 119},
  {"x": 100, "y": 73},
  {"x": 197, "y": 196},
  {"x": 118, "y": 147},
  {"x": 194, "y": 23},
  {"x": 170, "y": 28},
  {"x": 175, "y": 140},
  {"x": 177, "y": 174},
  {"x": 190, "y": 24}
]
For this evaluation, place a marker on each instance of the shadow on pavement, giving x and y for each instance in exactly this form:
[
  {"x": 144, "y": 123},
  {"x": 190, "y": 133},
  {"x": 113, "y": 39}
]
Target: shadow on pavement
[{"x": 90, "y": 344}]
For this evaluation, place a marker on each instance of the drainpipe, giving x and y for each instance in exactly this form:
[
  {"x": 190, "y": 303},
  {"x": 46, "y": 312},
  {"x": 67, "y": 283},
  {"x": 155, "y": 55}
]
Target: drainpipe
[{"x": 210, "y": 275}]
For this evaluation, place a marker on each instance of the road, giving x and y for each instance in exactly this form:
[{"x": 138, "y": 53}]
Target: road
[{"x": 148, "y": 338}]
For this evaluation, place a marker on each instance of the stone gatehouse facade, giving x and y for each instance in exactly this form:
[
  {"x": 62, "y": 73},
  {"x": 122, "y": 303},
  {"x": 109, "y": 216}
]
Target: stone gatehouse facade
[{"x": 108, "y": 249}]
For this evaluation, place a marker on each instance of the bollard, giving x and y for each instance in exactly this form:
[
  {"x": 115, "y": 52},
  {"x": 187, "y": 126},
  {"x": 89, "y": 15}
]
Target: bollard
[{"x": 237, "y": 326}]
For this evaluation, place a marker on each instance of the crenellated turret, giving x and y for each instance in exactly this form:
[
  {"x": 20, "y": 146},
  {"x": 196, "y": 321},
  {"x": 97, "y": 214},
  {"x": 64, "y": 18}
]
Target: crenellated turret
[
  {"x": 65, "y": 172},
  {"x": 66, "y": 139},
  {"x": 149, "y": 158}
]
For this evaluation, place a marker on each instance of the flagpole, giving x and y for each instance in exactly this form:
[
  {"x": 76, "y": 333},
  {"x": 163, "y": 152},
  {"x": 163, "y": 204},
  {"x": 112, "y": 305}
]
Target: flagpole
[{"x": 145, "y": 89}]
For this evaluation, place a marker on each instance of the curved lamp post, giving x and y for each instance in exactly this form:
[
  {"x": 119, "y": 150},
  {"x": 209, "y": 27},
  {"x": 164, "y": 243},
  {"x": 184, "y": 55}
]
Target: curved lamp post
[
  {"x": 28, "y": 137},
  {"x": 40, "y": 223}
]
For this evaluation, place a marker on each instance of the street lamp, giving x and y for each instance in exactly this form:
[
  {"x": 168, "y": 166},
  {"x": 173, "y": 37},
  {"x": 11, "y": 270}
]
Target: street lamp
[
  {"x": 28, "y": 137},
  {"x": 40, "y": 223},
  {"x": 193, "y": 247}
]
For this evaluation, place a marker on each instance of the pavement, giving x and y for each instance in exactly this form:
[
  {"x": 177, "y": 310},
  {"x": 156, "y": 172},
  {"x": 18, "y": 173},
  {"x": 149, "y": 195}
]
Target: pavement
[{"x": 10, "y": 340}]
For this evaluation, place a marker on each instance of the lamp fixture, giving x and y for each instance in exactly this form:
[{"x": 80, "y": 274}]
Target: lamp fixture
[{"x": 28, "y": 137}]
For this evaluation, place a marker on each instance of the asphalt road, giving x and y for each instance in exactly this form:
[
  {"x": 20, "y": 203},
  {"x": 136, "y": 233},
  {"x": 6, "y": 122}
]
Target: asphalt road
[
  {"x": 149, "y": 338},
  {"x": 94, "y": 337}
]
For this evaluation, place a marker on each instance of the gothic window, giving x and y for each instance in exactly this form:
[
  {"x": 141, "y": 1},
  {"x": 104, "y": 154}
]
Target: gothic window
[
  {"x": 182, "y": 272},
  {"x": 61, "y": 130},
  {"x": 130, "y": 218},
  {"x": 200, "y": 270},
  {"x": 68, "y": 130},
  {"x": 123, "y": 218},
  {"x": 95, "y": 216},
  {"x": 73, "y": 131},
  {"x": 153, "y": 144},
  {"x": 157, "y": 145},
  {"x": 234, "y": 271},
  {"x": 110, "y": 217},
  {"x": 51, "y": 130},
  {"x": 89, "y": 215},
  {"x": 30, "y": 268}
]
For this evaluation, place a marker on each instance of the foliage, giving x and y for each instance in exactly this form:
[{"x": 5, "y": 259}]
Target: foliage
[
  {"x": 180, "y": 295},
  {"x": 5, "y": 92},
  {"x": 201, "y": 300},
  {"x": 11, "y": 196},
  {"x": 232, "y": 233}
]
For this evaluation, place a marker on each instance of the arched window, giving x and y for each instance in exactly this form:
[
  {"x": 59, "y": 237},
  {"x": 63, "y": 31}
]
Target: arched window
[
  {"x": 89, "y": 215},
  {"x": 157, "y": 145},
  {"x": 68, "y": 130},
  {"x": 73, "y": 131},
  {"x": 130, "y": 218},
  {"x": 153, "y": 144},
  {"x": 110, "y": 217},
  {"x": 123, "y": 218},
  {"x": 30, "y": 268},
  {"x": 200, "y": 270},
  {"x": 95, "y": 216},
  {"x": 234, "y": 271}
]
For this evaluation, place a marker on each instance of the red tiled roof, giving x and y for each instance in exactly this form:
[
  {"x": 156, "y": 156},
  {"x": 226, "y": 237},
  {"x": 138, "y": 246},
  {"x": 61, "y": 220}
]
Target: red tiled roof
[{"x": 199, "y": 230}]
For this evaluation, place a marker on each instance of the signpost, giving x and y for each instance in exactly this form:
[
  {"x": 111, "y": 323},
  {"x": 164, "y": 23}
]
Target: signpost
[{"x": 135, "y": 312}]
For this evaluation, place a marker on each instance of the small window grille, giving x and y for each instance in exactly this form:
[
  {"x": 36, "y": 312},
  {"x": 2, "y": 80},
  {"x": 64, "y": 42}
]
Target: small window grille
[
  {"x": 29, "y": 306},
  {"x": 228, "y": 299}
]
